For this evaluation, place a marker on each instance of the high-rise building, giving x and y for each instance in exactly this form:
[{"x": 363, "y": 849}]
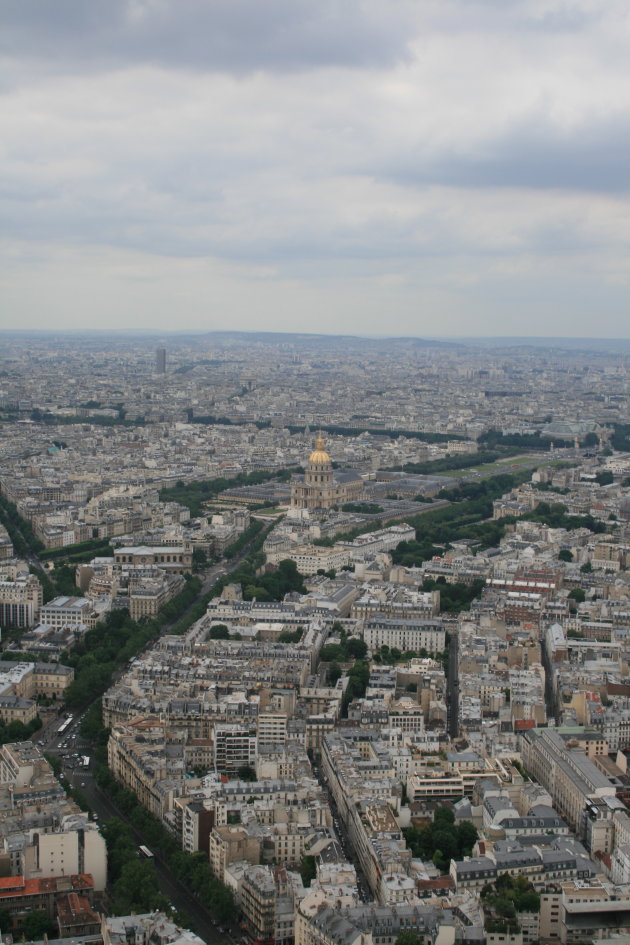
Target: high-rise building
[{"x": 160, "y": 360}]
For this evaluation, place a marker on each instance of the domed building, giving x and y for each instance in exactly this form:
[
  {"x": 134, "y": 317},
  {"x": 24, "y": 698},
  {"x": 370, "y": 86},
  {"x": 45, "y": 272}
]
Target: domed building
[{"x": 323, "y": 487}]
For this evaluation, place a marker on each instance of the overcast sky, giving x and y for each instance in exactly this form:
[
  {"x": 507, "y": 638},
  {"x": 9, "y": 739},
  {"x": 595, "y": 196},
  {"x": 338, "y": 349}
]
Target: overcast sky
[{"x": 422, "y": 167}]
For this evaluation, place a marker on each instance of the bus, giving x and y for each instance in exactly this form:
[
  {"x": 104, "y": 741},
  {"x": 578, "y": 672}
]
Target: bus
[
  {"x": 144, "y": 851},
  {"x": 85, "y": 761},
  {"x": 64, "y": 725}
]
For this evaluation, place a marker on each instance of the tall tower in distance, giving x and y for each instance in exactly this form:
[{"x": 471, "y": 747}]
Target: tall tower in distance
[{"x": 160, "y": 360}]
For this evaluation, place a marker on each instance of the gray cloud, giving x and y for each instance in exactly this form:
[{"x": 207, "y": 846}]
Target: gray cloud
[
  {"x": 465, "y": 156},
  {"x": 545, "y": 17},
  {"x": 236, "y": 36},
  {"x": 535, "y": 154}
]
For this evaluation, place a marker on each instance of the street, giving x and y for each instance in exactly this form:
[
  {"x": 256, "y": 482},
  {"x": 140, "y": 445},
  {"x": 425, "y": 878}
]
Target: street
[
  {"x": 70, "y": 747},
  {"x": 452, "y": 685}
]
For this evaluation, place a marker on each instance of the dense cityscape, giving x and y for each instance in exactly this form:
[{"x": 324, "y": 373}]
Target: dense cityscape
[{"x": 314, "y": 640}]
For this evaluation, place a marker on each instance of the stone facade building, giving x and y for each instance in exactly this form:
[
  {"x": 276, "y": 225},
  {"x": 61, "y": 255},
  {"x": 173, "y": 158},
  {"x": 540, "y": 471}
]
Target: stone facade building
[{"x": 321, "y": 487}]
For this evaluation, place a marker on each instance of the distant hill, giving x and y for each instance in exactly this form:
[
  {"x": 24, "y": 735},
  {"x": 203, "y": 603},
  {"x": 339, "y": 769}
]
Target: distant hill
[
  {"x": 581, "y": 344},
  {"x": 314, "y": 341}
]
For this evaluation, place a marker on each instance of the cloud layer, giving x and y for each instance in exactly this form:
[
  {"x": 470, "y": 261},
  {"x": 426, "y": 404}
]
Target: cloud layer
[{"x": 425, "y": 167}]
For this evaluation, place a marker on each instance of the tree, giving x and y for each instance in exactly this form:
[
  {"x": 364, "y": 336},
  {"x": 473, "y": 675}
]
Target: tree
[
  {"x": 332, "y": 651},
  {"x": 565, "y": 555},
  {"x": 246, "y": 773},
  {"x": 290, "y": 636},
  {"x": 5, "y": 920},
  {"x": 443, "y": 817},
  {"x": 441, "y": 840},
  {"x": 219, "y": 632},
  {"x": 334, "y": 673},
  {"x": 136, "y": 889},
  {"x": 221, "y": 900},
  {"x": 439, "y": 861},
  {"x": 408, "y": 938},
  {"x": 466, "y": 837},
  {"x": 308, "y": 869},
  {"x": 199, "y": 558},
  {"x": 509, "y": 895},
  {"x": 577, "y": 594},
  {"x": 446, "y": 841},
  {"x": 586, "y": 568},
  {"x": 528, "y": 901},
  {"x": 36, "y": 925},
  {"x": 252, "y": 591},
  {"x": 356, "y": 648},
  {"x": 505, "y": 908},
  {"x": 358, "y": 678},
  {"x": 64, "y": 578}
]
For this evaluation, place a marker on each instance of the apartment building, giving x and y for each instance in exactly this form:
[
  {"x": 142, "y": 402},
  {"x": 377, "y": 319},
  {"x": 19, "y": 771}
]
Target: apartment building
[
  {"x": 565, "y": 771},
  {"x": 272, "y": 729},
  {"x": 20, "y": 896},
  {"x": 383, "y": 540},
  {"x": 31, "y": 680},
  {"x": 229, "y": 844},
  {"x": 234, "y": 747},
  {"x": 361, "y": 775},
  {"x": 42, "y": 832},
  {"x": 51, "y": 680},
  {"x": 414, "y": 635},
  {"x": 153, "y": 928},
  {"x": 6, "y": 545},
  {"x": 269, "y": 896},
  {"x": 310, "y": 559},
  {"x": 16, "y": 709},
  {"x": 370, "y": 924},
  {"x": 68, "y": 611},
  {"x": 140, "y": 757},
  {"x": 581, "y": 911},
  {"x": 148, "y": 598},
  {"x": 393, "y": 601},
  {"x": 20, "y": 601},
  {"x": 69, "y": 851}
]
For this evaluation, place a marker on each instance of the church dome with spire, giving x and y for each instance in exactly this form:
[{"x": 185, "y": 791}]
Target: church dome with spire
[
  {"x": 319, "y": 454},
  {"x": 318, "y": 488}
]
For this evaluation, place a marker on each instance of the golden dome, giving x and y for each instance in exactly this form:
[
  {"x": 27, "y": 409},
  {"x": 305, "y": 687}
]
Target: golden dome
[{"x": 319, "y": 454}]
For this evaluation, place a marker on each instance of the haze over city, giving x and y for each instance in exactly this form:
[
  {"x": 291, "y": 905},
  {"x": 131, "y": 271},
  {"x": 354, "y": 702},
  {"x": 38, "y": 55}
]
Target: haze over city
[{"x": 427, "y": 169}]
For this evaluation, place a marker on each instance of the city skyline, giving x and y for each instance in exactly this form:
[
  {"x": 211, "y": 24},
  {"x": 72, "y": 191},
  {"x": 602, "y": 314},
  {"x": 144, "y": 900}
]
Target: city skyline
[
  {"x": 447, "y": 169},
  {"x": 301, "y": 628}
]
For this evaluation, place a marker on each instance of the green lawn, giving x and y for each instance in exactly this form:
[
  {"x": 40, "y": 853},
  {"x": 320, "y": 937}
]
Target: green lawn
[{"x": 491, "y": 469}]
